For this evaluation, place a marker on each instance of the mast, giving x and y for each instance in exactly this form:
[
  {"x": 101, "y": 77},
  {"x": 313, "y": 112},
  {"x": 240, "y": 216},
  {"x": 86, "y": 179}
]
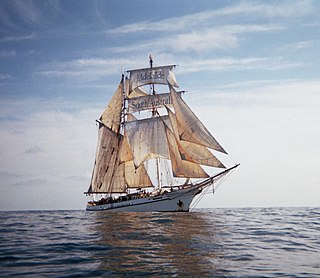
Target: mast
[
  {"x": 123, "y": 108},
  {"x": 154, "y": 113}
]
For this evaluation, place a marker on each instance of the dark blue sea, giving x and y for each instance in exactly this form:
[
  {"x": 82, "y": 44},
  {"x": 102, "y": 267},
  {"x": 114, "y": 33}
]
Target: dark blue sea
[{"x": 246, "y": 242}]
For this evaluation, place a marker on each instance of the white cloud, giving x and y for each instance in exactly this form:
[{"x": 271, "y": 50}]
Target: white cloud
[
  {"x": 7, "y": 53},
  {"x": 4, "y": 76},
  {"x": 34, "y": 149},
  {"x": 230, "y": 64},
  {"x": 299, "y": 45},
  {"x": 272, "y": 130},
  {"x": 270, "y": 126},
  {"x": 223, "y": 37},
  {"x": 50, "y": 142},
  {"x": 94, "y": 69},
  {"x": 16, "y": 38},
  {"x": 250, "y": 11},
  {"x": 89, "y": 69}
]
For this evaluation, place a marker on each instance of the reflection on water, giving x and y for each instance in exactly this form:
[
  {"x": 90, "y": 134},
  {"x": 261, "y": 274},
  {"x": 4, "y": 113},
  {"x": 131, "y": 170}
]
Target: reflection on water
[
  {"x": 247, "y": 242},
  {"x": 159, "y": 243}
]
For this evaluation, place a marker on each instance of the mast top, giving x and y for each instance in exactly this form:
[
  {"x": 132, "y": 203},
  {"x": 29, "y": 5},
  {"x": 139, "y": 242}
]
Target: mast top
[{"x": 150, "y": 60}]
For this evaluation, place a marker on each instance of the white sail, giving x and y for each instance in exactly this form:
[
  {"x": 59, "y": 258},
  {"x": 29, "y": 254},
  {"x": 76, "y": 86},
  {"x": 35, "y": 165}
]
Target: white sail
[
  {"x": 118, "y": 183},
  {"x": 155, "y": 75},
  {"x": 181, "y": 167},
  {"x": 105, "y": 172},
  {"x": 150, "y": 102},
  {"x": 125, "y": 153},
  {"x": 131, "y": 118},
  {"x": 191, "y": 151},
  {"x": 147, "y": 139},
  {"x": 190, "y": 128},
  {"x": 137, "y": 92},
  {"x": 136, "y": 177},
  {"x": 111, "y": 116}
]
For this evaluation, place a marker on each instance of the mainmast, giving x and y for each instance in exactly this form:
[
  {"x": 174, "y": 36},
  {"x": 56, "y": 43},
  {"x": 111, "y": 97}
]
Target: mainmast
[
  {"x": 151, "y": 64},
  {"x": 123, "y": 108}
]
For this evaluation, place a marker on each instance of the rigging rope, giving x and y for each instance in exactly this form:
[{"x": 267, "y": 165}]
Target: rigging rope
[{"x": 215, "y": 185}]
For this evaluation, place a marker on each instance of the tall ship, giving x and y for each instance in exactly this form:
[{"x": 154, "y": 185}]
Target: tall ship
[{"x": 152, "y": 149}]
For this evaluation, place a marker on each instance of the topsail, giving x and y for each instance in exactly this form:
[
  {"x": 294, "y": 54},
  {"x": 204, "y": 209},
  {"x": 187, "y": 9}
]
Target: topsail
[{"x": 155, "y": 75}]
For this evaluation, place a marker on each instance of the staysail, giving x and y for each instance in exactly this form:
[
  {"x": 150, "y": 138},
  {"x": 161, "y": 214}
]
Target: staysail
[
  {"x": 190, "y": 128},
  {"x": 180, "y": 167},
  {"x": 191, "y": 151}
]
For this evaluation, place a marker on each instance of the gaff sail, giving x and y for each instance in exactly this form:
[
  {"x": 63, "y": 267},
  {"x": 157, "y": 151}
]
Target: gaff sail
[{"x": 106, "y": 176}]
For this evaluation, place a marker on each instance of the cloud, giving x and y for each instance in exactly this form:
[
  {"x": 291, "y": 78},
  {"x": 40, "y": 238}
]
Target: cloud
[
  {"x": 250, "y": 11},
  {"x": 33, "y": 35},
  {"x": 32, "y": 182},
  {"x": 29, "y": 11},
  {"x": 66, "y": 133},
  {"x": 199, "y": 41},
  {"x": 34, "y": 149},
  {"x": 299, "y": 45},
  {"x": 271, "y": 117},
  {"x": 4, "y": 76},
  {"x": 62, "y": 136},
  {"x": 88, "y": 69},
  {"x": 8, "y": 175},
  {"x": 203, "y": 39},
  {"x": 272, "y": 129},
  {"x": 7, "y": 53},
  {"x": 239, "y": 64},
  {"x": 286, "y": 94}
]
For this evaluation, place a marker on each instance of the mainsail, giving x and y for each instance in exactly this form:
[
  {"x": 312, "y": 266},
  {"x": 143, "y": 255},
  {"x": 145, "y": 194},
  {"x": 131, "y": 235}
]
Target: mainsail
[{"x": 147, "y": 139}]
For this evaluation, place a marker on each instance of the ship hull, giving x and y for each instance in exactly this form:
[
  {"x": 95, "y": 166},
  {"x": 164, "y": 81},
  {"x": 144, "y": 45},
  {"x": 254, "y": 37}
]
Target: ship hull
[{"x": 178, "y": 200}]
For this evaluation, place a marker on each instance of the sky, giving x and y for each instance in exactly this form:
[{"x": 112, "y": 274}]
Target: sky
[{"x": 250, "y": 68}]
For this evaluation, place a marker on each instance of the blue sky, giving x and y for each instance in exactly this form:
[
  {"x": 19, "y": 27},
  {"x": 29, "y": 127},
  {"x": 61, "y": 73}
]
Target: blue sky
[{"x": 251, "y": 69}]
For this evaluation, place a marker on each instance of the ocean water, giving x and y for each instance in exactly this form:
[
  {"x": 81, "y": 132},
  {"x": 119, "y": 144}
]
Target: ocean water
[{"x": 246, "y": 242}]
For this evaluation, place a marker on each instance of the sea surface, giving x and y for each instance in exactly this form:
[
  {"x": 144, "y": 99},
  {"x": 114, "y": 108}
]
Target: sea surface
[{"x": 246, "y": 242}]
